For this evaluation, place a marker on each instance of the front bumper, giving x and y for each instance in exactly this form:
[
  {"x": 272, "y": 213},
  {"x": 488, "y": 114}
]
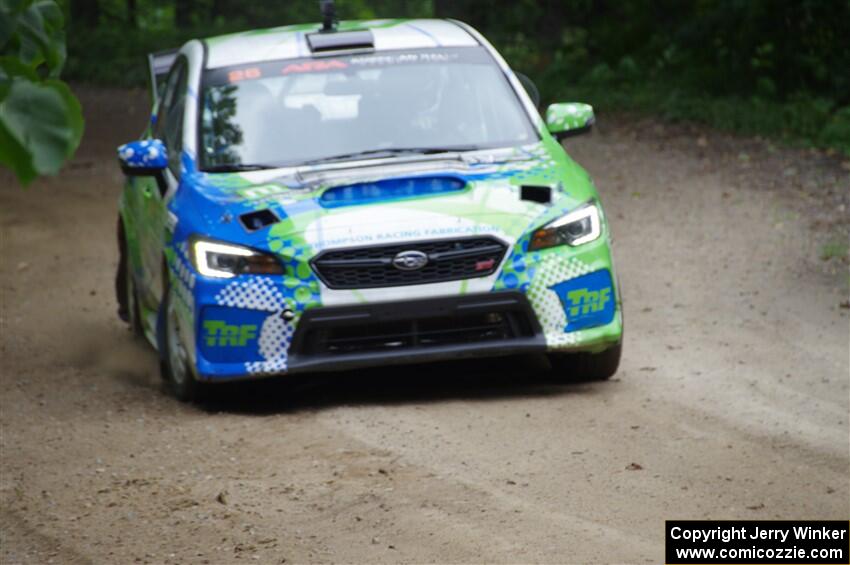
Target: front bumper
[
  {"x": 253, "y": 326},
  {"x": 483, "y": 325}
]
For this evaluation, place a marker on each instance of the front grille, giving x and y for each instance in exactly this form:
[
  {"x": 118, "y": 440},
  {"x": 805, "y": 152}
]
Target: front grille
[
  {"x": 419, "y": 333},
  {"x": 372, "y": 267}
]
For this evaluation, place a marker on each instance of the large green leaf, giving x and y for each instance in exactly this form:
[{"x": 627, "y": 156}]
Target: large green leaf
[
  {"x": 9, "y": 14},
  {"x": 40, "y": 120},
  {"x": 41, "y": 125},
  {"x": 11, "y": 67},
  {"x": 38, "y": 37}
]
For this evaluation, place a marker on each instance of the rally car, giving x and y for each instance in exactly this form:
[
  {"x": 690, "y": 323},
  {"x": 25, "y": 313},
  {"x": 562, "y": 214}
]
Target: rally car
[{"x": 350, "y": 194}]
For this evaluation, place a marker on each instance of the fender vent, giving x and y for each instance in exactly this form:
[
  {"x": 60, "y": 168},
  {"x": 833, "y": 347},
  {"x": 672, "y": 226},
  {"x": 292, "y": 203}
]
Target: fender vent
[
  {"x": 532, "y": 193},
  {"x": 253, "y": 221}
]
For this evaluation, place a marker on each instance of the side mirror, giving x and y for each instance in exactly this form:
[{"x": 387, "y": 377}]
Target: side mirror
[
  {"x": 143, "y": 158},
  {"x": 569, "y": 119}
]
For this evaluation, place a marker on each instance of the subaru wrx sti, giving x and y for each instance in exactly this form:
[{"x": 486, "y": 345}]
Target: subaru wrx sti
[{"x": 332, "y": 196}]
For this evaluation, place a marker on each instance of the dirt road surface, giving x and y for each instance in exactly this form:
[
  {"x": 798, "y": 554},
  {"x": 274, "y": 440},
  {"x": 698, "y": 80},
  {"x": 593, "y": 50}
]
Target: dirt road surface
[{"x": 731, "y": 402}]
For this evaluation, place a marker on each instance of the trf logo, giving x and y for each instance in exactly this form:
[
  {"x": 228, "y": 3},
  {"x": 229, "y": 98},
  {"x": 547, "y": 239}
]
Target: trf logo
[
  {"x": 588, "y": 300},
  {"x": 218, "y": 334},
  {"x": 584, "y": 301}
]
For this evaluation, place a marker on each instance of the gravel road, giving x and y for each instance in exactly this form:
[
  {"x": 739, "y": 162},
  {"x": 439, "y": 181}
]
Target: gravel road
[{"x": 732, "y": 399}]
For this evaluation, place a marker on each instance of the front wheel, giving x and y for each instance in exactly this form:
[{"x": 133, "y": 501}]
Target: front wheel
[
  {"x": 175, "y": 359},
  {"x": 586, "y": 366}
]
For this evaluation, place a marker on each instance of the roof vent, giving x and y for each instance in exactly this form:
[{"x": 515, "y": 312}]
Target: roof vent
[{"x": 340, "y": 40}]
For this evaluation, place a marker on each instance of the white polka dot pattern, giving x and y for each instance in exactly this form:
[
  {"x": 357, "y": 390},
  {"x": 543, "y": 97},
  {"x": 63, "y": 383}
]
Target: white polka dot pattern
[
  {"x": 185, "y": 294},
  {"x": 183, "y": 265},
  {"x": 257, "y": 294},
  {"x": 276, "y": 334},
  {"x": 545, "y": 301},
  {"x": 265, "y": 367}
]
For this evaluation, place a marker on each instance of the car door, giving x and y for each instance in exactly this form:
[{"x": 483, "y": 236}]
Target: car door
[{"x": 169, "y": 129}]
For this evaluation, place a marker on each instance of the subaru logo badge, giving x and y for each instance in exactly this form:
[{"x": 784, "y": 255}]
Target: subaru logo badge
[{"x": 410, "y": 260}]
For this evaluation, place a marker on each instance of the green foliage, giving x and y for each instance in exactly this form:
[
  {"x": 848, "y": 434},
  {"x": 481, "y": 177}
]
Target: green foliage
[
  {"x": 112, "y": 55},
  {"x": 778, "y": 68},
  {"x": 834, "y": 250},
  {"x": 41, "y": 121},
  {"x": 770, "y": 67},
  {"x": 803, "y": 120},
  {"x": 836, "y": 133}
]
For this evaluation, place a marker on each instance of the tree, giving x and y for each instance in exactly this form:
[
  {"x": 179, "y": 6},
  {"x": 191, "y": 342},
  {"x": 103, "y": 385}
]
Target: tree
[
  {"x": 183, "y": 12},
  {"x": 132, "y": 14},
  {"x": 41, "y": 121},
  {"x": 85, "y": 13}
]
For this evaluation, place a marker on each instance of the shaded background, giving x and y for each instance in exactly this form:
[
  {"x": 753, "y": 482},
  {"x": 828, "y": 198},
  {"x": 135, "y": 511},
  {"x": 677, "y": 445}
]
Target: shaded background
[{"x": 778, "y": 68}]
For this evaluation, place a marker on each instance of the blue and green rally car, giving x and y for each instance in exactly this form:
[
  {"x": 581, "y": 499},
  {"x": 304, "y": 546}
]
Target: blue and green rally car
[{"x": 340, "y": 195}]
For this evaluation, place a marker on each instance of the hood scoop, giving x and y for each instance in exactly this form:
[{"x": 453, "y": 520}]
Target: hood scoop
[
  {"x": 390, "y": 190},
  {"x": 255, "y": 221},
  {"x": 534, "y": 193}
]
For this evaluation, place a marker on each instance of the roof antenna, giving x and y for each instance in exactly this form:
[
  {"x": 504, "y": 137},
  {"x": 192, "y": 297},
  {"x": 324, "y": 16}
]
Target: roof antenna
[{"x": 328, "y": 16}]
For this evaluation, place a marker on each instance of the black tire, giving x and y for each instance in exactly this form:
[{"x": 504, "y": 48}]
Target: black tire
[
  {"x": 125, "y": 287},
  {"x": 586, "y": 366},
  {"x": 174, "y": 364}
]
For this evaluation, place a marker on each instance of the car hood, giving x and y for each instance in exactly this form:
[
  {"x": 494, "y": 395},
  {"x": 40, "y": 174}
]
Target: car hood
[{"x": 385, "y": 201}]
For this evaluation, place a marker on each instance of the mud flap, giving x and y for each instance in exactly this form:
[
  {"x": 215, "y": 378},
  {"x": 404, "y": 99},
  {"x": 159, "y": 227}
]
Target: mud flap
[
  {"x": 160, "y": 331},
  {"x": 121, "y": 275}
]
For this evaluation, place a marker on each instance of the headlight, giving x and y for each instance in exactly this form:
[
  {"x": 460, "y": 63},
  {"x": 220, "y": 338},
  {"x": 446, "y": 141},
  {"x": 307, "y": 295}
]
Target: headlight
[
  {"x": 223, "y": 260},
  {"x": 579, "y": 226}
]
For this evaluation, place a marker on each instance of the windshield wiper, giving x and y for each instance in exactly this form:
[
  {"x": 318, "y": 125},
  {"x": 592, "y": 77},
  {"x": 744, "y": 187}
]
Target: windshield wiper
[
  {"x": 389, "y": 152},
  {"x": 237, "y": 167}
]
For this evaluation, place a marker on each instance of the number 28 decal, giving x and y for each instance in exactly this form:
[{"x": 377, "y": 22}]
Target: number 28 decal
[{"x": 250, "y": 73}]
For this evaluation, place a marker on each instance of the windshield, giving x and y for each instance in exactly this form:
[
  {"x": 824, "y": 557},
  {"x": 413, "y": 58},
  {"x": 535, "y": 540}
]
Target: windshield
[{"x": 309, "y": 110}]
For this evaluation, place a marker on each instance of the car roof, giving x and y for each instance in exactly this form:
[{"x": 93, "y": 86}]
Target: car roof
[{"x": 290, "y": 42}]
